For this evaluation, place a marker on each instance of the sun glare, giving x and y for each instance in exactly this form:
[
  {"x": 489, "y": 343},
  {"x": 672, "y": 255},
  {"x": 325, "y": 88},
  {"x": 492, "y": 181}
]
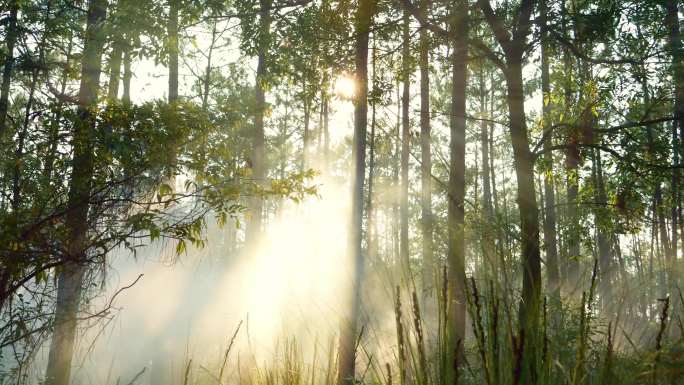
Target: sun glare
[{"x": 345, "y": 86}]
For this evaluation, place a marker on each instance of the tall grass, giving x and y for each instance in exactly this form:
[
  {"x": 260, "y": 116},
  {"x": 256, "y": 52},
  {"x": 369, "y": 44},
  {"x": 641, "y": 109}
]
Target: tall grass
[{"x": 576, "y": 347}]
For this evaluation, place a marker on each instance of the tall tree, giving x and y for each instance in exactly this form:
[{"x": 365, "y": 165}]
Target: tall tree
[
  {"x": 405, "y": 142},
  {"x": 71, "y": 275},
  {"x": 514, "y": 45},
  {"x": 573, "y": 160},
  {"x": 677, "y": 70},
  {"x": 347, "y": 344},
  {"x": 127, "y": 75},
  {"x": 488, "y": 250},
  {"x": 10, "y": 40},
  {"x": 172, "y": 32},
  {"x": 426, "y": 158},
  {"x": 550, "y": 235},
  {"x": 456, "y": 191},
  {"x": 258, "y": 157}
]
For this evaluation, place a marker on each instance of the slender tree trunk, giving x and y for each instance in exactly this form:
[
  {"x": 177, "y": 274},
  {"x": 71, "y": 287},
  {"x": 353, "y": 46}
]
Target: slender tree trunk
[
  {"x": 675, "y": 194},
  {"x": 326, "y": 132},
  {"x": 307, "y": 118},
  {"x": 529, "y": 214},
  {"x": 572, "y": 163},
  {"x": 550, "y": 243},
  {"x": 115, "y": 70},
  {"x": 658, "y": 204},
  {"x": 70, "y": 277},
  {"x": 172, "y": 31},
  {"x": 675, "y": 47},
  {"x": 206, "y": 88},
  {"x": 259, "y": 140},
  {"x": 19, "y": 152},
  {"x": 371, "y": 239},
  {"x": 456, "y": 203},
  {"x": 127, "y": 75},
  {"x": 405, "y": 141},
  {"x": 428, "y": 270},
  {"x": 172, "y": 97},
  {"x": 206, "y": 82},
  {"x": 396, "y": 186},
  {"x": 53, "y": 143},
  {"x": 10, "y": 41},
  {"x": 523, "y": 160},
  {"x": 488, "y": 249},
  {"x": 603, "y": 238},
  {"x": 495, "y": 196},
  {"x": 347, "y": 345}
]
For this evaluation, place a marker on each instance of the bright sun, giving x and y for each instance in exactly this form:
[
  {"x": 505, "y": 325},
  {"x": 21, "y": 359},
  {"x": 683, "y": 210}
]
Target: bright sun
[{"x": 345, "y": 87}]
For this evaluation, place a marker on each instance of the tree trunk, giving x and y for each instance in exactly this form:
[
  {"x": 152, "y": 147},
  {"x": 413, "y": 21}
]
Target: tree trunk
[
  {"x": 259, "y": 141},
  {"x": 550, "y": 245},
  {"x": 53, "y": 143},
  {"x": 405, "y": 139},
  {"x": 19, "y": 152},
  {"x": 21, "y": 139},
  {"x": 426, "y": 163},
  {"x": 675, "y": 47},
  {"x": 307, "y": 118},
  {"x": 488, "y": 249},
  {"x": 527, "y": 205},
  {"x": 127, "y": 75},
  {"x": 396, "y": 186},
  {"x": 206, "y": 82},
  {"x": 456, "y": 199},
  {"x": 572, "y": 163},
  {"x": 172, "y": 31},
  {"x": 500, "y": 236},
  {"x": 326, "y": 132},
  {"x": 70, "y": 277},
  {"x": 10, "y": 41},
  {"x": 347, "y": 345},
  {"x": 114, "y": 71},
  {"x": 605, "y": 255},
  {"x": 372, "y": 231}
]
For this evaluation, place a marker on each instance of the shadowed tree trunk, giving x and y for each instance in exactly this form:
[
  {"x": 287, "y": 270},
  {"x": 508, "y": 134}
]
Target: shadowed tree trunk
[
  {"x": 326, "y": 132},
  {"x": 677, "y": 68},
  {"x": 172, "y": 31},
  {"x": 603, "y": 236},
  {"x": 115, "y": 70},
  {"x": 456, "y": 206},
  {"x": 426, "y": 161},
  {"x": 572, "y": 163},
  {"x": 348, "y": 328},
  {"x": 206, "y": 82},
  {"x": 550, "y": 244},
  {"x": 10, "y": 41},
  {"x": 514, "y": 45},
  {"x": 55, "y": 121},
  {"x": 372, "y": 231},
  {"x": 488, "y": 249},
  {"x": 258, "y": 159},
  {"x": 22, "y": 134},
  {"x": 307, "y": 119},
  {"x": 127, "y": 75},
  {"x": 405, "y": 139},
  {"x": 70, "y": 277}
]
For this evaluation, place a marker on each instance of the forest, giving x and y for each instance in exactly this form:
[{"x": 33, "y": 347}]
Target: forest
[{"x": 341, "y": 192}]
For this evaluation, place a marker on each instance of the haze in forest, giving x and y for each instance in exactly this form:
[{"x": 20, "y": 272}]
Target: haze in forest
[{"x": 348, "y": 192}]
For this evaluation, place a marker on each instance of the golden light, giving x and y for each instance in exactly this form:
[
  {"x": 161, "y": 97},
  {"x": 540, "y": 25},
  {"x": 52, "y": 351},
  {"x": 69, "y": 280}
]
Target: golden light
[{"x": 345, "y": 86}]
